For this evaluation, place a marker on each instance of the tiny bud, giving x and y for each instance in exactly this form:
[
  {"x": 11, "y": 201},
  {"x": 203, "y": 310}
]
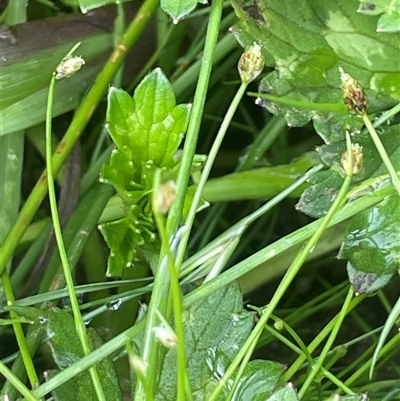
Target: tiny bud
[
  {"x": 353, "y": 93},
  {"x": 251, "y": 63},
  {"x": 166, "y": 196},
  {"x": 278, "y": 325},
  {"x": 68, "y": 66},
  {"x": 165, "y": 336},
  {"x": 357, "y": 159},
  {"x": 138, "y": 364}
]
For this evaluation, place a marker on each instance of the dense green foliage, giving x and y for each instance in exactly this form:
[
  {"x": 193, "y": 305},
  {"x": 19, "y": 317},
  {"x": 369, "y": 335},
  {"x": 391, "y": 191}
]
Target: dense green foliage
[{"x": 221, "y": 248}]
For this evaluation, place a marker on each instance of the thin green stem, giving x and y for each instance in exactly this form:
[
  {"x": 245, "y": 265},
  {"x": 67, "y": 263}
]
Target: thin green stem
[
  {"x": 241, "y": 225},
  {"x": 19, "y": 334},
  {"x": 81, "y": 118},
  {"x": 329, "y": 107},
  {"x": 315, "y": 343},
  {"x": 318, "y": 364},
  {"x": 207, "y": 169},
  {"x": 12, "y": 152},
  {"x": 10, "y": 189},
  {"x": 289, "y": 276},
  {"x": 160, "y": 294},
  {"x": 390, "y": 322},
  {"x": 297, "y": 338},
  {"x": 9, "y": 375},
  {"x": 223, "y": 48},
  {"x": 139, "y": 369},
  {"x": 262, "y": 143},
  {"x": 382, "y": 152},
  {"x": 387, "y": 115},
  {"x": 175, "y": 213},
  {"x": 175, "y": 291},
  {"x": 393, "y": 344},
  {"x": 337, "y": 382},
  {"x": 79, "y": 323}
]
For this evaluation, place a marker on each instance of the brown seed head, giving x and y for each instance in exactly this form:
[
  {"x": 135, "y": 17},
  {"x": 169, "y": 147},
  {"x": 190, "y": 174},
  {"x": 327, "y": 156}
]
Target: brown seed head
[{"x": 353, "y": 93}]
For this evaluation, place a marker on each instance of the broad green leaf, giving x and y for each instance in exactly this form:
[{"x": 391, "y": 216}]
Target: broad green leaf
[
  {"x": 178, "y": 9},
  {"x": 67, "y": 391},
  {"x": 316, "y": 200},
  {"x": 150, "y": 124},
  {"x": 306, "y": 41},
  {"x": 121, "y": 173},
  {"x": 117, "y": 235},
  {"x": 258, "y": 381},
  {"x": 147, "y": 130},
  {"x": 287, "y": 393},
  {"x": 124, "y": 236},
  {"x": 372, "y": 239},
  {"x": 331, "y": 127},
  {"x": 366, "y": 282},
  {"x": 209, "y": 347},
  {"x": 66, "y": 350},
  {"x": 389, "y": 11}
]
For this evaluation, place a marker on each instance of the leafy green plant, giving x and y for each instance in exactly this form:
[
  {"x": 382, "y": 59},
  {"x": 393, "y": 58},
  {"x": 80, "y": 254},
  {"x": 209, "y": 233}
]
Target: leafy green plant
[{"x": 192, "y": 247}]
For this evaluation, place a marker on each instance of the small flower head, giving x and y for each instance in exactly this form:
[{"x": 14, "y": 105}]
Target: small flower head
[
  {"x": 251, "y": 63},
  {"x": 166, "y": 196},
  {"x": 165, "y": 336},
  {"x": 357, "y": 159},
  {"x": 69, "y": 66},
  {"x": 138, "y": 364},
  {"x": 353, "y": 93}
]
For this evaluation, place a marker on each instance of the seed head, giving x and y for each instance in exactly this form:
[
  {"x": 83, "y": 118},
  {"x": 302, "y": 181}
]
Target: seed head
[
  {"x": 357, "y": 159},
  {"x": 353, "y": 93},
  {"x": 138, "y": 364},
  {"x": 69, "y": 66},
  {"x": 251, "y": 63},
  {"x": 165, "y": 336},
  {"x": 166, "y": 196}
]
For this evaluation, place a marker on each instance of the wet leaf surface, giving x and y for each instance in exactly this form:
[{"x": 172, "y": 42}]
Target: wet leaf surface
[
  {"x": 306, "y": 41},
  {"x": 66, "y": 350},
  {"x": 372, "y": 239},
  {"x": 210, "y": 348},
  {"x": 316, "y": 200},
  {"x": 389, "y": 12},
  {"x": 147, "y": 130}
]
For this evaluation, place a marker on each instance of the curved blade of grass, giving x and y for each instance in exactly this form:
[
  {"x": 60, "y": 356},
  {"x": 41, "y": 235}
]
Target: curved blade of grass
[{"x": 390, "y": 322}]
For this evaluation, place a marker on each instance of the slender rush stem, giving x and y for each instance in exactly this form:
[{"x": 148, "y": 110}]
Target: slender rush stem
[
  {"x": 327, "y": 347},
  {"x": 382, "y": 152},
  {"x": 19, "y": 334},
  {"x": 160, "y": 294},
  {"x": 175, "y": 291},
  {"x": 9, "y": 375},
  {"x": 79, "y": 323},
  {"x": 207, "y": 169},
  {"x": 288, "y": 278}
]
